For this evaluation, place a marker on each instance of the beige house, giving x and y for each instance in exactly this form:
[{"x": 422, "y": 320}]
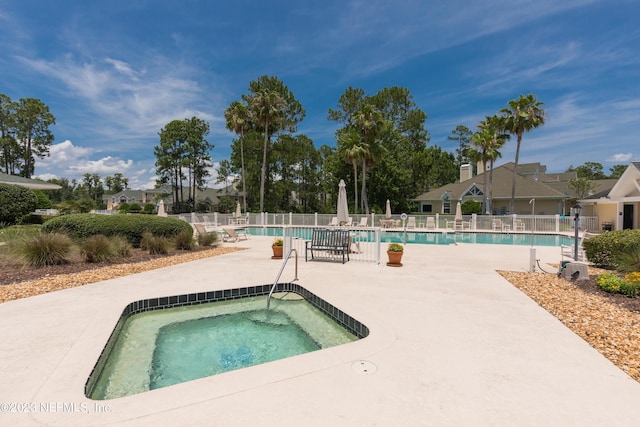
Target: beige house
[
  {"x": 548, "y": 194},
  {"x": 618, "y": 207}
]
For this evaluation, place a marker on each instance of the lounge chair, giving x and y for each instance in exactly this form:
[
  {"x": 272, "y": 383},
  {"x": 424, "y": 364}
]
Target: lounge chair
[
  {"x": 518, "y": 225},
  {"x": 363, "y": 221},
  {"x": 334, "y": 221},
  {"x": 347, "y": 223},
  {"x": 497, "y": 225},
  {"x": 233, "y": 235},
  {"x": 567, "y": 252},
  {"x": 431, "y": 223},
  {"x": 199, "y": 229},
  {"x": 411, "y": 222}
]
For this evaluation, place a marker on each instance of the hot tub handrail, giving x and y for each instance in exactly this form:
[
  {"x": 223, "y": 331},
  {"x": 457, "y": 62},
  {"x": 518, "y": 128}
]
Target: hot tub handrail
[{"x": 284, "y": 263}]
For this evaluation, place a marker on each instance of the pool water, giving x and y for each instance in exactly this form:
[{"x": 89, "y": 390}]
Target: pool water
[
  {"x": 200, "y": 348},
  {"x": 160, "y": 348},
  {"x": 435, "y": 238}
]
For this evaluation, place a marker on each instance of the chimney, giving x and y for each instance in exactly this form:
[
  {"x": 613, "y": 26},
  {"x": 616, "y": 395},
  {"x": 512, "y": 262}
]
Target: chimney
[
  {"x": 480, "y": 167},
  {"x": 466, "y": 172}
]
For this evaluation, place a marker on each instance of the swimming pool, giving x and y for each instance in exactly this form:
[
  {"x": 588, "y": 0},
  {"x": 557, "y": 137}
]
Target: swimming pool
[
  {"x": 434, "y": 238},
  {"x": 166, "y": 341}
]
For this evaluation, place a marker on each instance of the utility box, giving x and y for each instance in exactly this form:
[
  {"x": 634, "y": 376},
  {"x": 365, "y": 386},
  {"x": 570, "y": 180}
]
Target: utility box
[{"x": 572, "y": 270}]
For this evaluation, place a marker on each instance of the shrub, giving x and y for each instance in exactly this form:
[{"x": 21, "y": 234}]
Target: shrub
[
  {"x": 208, "y": 239},
  {"x": 149, "y": 208},
  {"x": 154, "y": 244},
  {"x": 628, "y": 260},
  {"x": 469, "y": 207},
  {"x": 604, "y": 249},
  {"x": 184, "y": 241},
  {"x": 15, "y": 202},
  {"x": 97, "y": 248},
  {"x": 131, "y": 227},
  {"x": 613, "y": 283},
  {"x": 44, "y": 249},
  {"x": 121, "y": 247}
]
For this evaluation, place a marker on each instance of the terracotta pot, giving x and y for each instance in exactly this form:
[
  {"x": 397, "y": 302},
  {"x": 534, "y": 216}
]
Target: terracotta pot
[
  {"x": 394, "y": 259},
  {"x": 277, "y": 252}
]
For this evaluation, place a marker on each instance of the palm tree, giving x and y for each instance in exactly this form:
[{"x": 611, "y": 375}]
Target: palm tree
[
  {"x": 495, "y": 125},
  {"x": 370, "y": 123},
  {"x": 481, "y": 141},
  {"x": 521, "y": 115},
  {"x": 237, "y": 116},
  {"x": 351, "y": 150},
  {"x": 268, "y": 108}
]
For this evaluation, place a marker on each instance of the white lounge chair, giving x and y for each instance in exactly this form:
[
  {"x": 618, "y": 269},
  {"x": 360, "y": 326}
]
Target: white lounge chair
[
  {"x": 497, "y": 225},
  {"x": 233, "y": 235},
  {"x": 431, "y": 223},
  {"x": 567, "y": 252},
  {"x": 334, "y": 221},
  {"x": 411, "y": 222},
  {"x": 363, "y": 221},
  {"x": 518, "y": 225}
]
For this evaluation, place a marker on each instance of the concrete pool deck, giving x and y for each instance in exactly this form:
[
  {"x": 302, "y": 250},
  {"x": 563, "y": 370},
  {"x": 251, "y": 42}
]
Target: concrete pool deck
[{"x": 452, "y": 343}]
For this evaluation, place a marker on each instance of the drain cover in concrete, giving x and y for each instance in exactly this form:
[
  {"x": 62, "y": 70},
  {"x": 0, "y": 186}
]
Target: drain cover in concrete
[{"x": 364, "y": 367}]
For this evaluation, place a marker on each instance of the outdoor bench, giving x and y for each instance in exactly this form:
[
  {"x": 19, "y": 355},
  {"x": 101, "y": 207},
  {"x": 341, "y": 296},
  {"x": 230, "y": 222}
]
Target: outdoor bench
[{"x": 331, "y": 242}]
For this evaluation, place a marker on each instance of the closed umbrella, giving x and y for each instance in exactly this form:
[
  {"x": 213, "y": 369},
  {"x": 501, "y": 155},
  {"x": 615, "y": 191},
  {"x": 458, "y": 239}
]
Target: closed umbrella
[
  {"x": 161, "y": 211},
  {"x": 388, "y": 210},
  {"x": 458, "y": 212},
  {"x": 238, "y": 210},
  {"x": 343, "y": 207}
]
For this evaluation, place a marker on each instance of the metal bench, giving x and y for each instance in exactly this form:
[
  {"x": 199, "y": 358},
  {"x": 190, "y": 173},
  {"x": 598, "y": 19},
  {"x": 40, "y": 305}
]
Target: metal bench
[{"x": 333, "y": 243}]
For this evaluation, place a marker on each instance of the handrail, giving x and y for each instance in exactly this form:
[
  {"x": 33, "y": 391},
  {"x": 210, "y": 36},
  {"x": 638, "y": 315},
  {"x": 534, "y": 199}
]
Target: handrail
[{"x": 284, "y": 263}]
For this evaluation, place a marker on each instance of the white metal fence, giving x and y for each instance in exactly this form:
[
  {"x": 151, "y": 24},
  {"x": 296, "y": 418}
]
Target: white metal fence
[{"x": 536, "y": 223}]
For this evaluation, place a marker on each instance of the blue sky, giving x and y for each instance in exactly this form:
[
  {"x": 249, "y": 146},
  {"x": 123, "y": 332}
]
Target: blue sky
[{"x": 114, "y": 73}]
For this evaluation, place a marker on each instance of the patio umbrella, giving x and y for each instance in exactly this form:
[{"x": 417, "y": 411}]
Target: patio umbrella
[
  {"x": 388, "y": 210},
  {"x": 238, "y": 210},
  {"x": 161, "y": 211},
  {"x": 458, "y": 212},
  {"x": 343, "y": 207}
]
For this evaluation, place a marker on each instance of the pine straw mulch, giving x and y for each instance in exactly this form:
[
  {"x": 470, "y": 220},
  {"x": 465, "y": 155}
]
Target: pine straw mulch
[
  {"x": 17, "y": 281},
  {"x": 610, "y": 323}
]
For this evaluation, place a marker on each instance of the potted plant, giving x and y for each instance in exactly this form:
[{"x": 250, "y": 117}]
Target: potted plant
[
  {"x": 277, "y": 247},
  {"x": 394, "y": 252}
]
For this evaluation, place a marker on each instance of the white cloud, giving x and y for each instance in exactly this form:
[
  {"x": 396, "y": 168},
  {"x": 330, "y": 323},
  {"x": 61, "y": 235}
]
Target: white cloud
[
  {"x": 130, "y": 102},
  {"x": 620, "y": 158}
]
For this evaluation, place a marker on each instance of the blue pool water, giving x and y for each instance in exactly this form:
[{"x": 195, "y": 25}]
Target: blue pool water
[
  {"x": 436, "y": 238},
  {"x": 199, "y": 348}
]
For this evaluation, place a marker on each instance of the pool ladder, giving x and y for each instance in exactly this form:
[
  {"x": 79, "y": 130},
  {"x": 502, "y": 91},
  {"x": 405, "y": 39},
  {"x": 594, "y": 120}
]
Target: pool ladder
[{"x": 284, "y": 263}]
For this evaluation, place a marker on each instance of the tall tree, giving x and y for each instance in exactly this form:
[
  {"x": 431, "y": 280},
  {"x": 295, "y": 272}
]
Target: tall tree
[
  {"x": 32, "y": 128},
  {"x": 8, "y": 143},
  {"x": 369, "y": 122},
  {"x": 93, "y": 187},
  {"x": 462, "y": 135},
  {"x": 617, "y": 171},
  {"x": 183, "y": 148},
  {"x": 590, "y": 170},
  {"x": 521, "y": 115},
  {"x": 351, "y": 150},
  {"x": 237, "y": 117},
  {"x": 494, "y": 138},
  {"x": 274, "y": 109}
]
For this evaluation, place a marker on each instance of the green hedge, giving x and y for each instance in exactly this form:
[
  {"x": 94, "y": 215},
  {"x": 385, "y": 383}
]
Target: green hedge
[
  {"x": 602, "y": 250},
  {"x": 131, "y": 227}
]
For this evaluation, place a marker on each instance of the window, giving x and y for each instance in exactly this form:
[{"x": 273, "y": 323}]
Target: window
[{"x": 427, "y": 208}]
